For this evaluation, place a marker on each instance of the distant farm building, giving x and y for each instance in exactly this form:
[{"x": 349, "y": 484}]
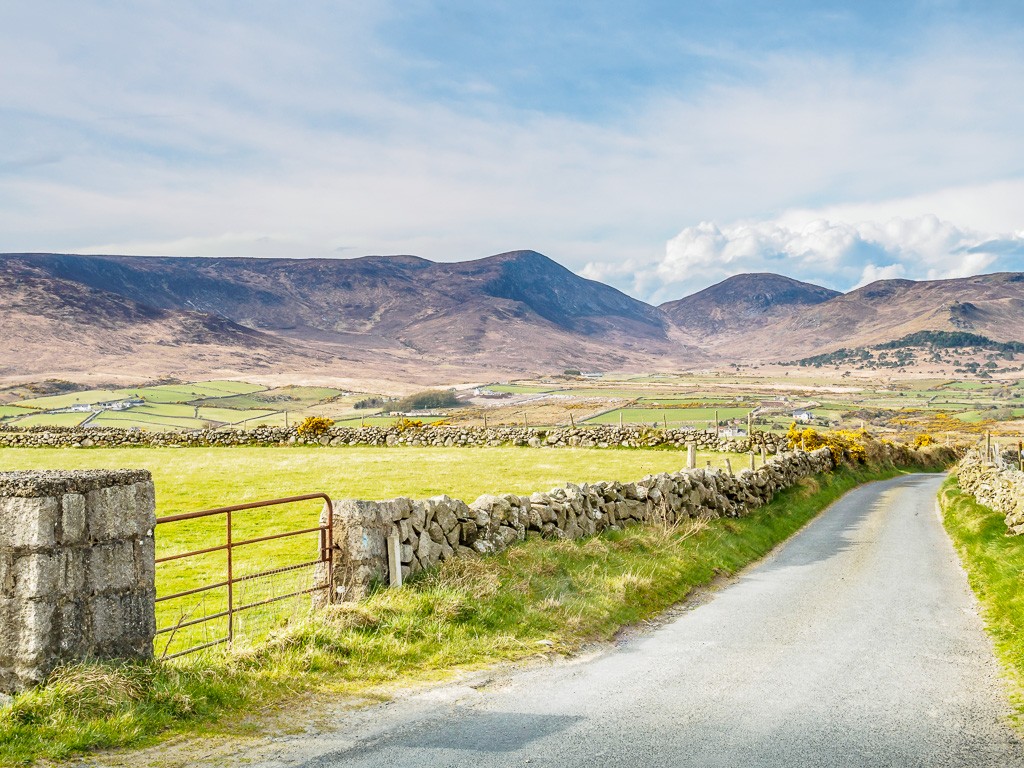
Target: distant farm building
[{"x": 802, "y": 416}]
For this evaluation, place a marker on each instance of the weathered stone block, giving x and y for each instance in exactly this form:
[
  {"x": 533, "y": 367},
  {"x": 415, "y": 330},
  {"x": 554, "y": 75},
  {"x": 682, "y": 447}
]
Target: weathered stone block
[
  {"x": 36, "y": 619},
  {"x": 110, "y": 513},
  {"x": 9, "y": 637},
  {"x": 28, "y": 522},
  {"x": 72, "y": 519},
  {"x": 73, "y": 629},
  {"x": 71, "y": 572},
  {"x": 6, "y": 574},
  {"x": 36, "y": 575},
  {"x": 111, "y": 567},
  {"x": 145, "y": 561}
]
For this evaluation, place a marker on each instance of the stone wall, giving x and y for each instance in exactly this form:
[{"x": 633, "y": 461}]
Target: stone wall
[
  {"x": 76, "y": 570},
  {"x": 998, "y": 488},
  {"x": 583, "y": 436},
  {"x": 432, "y": 530}
]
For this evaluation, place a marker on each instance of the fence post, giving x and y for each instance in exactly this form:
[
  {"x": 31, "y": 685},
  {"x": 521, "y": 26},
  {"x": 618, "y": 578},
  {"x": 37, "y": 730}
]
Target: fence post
[
  {"x": 691, "y": 456},
  {"x": 394, "y": 559},
  {"x": 728, "y": 466},
  {"x": 752, "y": 464},
  {"x": 231, "y": 581}
]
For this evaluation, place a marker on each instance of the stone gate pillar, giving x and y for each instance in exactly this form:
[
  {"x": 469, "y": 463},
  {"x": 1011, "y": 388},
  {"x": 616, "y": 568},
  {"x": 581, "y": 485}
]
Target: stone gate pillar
[{"x": 77, "y": 576}]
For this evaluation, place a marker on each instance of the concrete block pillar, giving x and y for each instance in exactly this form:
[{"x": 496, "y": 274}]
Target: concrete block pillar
[{"x": 77, "y": 574}]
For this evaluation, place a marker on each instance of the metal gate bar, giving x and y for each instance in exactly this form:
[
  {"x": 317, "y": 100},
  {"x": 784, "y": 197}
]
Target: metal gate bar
[{"x": 326, "y": 543}]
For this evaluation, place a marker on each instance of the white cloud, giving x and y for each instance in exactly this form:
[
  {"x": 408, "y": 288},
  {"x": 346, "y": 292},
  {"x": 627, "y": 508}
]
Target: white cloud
[
  {"x": 228, "y": 135},
  {"x": 840, "y": 255}
]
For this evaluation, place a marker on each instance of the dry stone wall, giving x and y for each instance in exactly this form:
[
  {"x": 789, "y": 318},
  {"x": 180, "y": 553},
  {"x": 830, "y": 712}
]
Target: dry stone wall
[
  {"x": 76, "y": 570},
  {"x": 1001, "y": 489},
  {"x": 433, "y": 530},
  {"x": 585, "y": 437}
]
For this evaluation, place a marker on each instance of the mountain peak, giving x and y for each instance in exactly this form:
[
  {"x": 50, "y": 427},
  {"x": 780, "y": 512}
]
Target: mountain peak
[{"x": 738, "y": 300}]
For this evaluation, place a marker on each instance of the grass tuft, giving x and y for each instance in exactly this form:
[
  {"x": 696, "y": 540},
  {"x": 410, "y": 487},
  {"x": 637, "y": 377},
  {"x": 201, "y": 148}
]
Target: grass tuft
[{"x": 995, "y": 566}]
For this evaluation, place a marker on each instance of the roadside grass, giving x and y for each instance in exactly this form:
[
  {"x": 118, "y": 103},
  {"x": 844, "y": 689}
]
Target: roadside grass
[
  {"x": 995, "y": 565},
  {"x": 536, "y": 598}
]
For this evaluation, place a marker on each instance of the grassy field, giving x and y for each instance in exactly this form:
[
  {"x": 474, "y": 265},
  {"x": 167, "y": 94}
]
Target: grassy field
[
  {"x": 994, "y": 564},
  {"x": 191, "y": 479},
  {"x": 290, "y": 398},
  {"x": 195, "y": 478},
  {"x": 522, "y": 389},
  {"x": 672, "y": 415},
  {"x": 52, "y": 420},
  {"x": 468, "y": 613}
]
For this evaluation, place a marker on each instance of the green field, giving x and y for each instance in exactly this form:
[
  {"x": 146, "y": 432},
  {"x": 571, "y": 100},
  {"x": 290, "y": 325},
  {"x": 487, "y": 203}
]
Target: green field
[
  {"x": 13, "y": 411},
  {"x": 696, "y": 400},
  {"x": 673, "y": 415},
  {"x": 282, "y": 398},
  {"x": 52, "y": 420},
  {"x": 191, "y": 479},
  {"x": 522, "y": 389},
  {"x": 52, "y": 402}
]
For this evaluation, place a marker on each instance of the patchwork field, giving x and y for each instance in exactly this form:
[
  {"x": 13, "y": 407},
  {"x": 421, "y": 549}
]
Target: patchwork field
[
  {"x": 889, "y": 406},
  {"x": 693, "y": 416}
]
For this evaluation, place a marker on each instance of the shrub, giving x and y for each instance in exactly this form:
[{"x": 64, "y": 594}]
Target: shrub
[
  {"x": 404, "y": 424},
  {"x": 314, "y": 426},
  {"x": 432, "y": 398},
  {"x": 923, "y": 439}
]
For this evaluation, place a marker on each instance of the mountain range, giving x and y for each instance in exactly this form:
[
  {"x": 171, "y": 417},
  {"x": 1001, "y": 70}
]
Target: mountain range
[{"x": 407, "y": 317}]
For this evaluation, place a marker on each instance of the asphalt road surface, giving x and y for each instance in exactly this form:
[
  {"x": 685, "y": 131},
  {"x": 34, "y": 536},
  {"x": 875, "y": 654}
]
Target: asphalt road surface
[{"x": 857, "y": 644}]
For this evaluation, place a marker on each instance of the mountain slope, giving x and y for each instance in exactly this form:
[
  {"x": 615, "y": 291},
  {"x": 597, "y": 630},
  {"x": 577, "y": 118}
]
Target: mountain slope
[
  {"x": 990, "y": 305},
  {"x": 744, "y": 301},
  {"x": 514, "y": 311},
  {"x": 52, "y": 324}
]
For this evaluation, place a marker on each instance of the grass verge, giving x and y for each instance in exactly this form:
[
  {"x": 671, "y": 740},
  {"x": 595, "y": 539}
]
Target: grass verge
[
  {"x": 994, "y": 563},
  {"x": 538, "y": 597}
]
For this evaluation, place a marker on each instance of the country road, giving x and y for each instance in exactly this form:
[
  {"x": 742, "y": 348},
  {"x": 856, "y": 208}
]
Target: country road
[{"x": 856, "y": 644}]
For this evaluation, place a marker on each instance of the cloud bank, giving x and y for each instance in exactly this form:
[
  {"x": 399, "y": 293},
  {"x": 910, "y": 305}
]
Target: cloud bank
[
  {"x": 836, "y": 254},
  {"x": 193, "y": 128}
]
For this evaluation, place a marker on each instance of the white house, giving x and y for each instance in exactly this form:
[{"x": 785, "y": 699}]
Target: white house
[{"x": 802, "y": 416}]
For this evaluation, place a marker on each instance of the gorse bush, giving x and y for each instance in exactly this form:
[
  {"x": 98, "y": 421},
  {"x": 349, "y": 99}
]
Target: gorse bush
[
  {"x": 859, "y": 447},
  {"x": 847, "y": 446},
  {"x": 314, "y": 426},
  {"x": 403, "y": 425}
]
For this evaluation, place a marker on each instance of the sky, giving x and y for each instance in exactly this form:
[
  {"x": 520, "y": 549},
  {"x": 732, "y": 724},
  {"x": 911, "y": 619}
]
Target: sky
[{"x": 657, "y": 146}]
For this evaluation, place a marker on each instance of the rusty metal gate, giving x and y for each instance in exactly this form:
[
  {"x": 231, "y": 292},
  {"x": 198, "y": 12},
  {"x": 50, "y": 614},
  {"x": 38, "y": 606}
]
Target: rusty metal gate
[{"x": 217, "y": 603}]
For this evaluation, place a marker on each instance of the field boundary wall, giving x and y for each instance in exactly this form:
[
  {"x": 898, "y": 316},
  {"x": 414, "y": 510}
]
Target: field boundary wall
[
  {"x": 998, "y": 488},
  {"x": 441, "y": 436},
  {"x": 375, "y": 541}
]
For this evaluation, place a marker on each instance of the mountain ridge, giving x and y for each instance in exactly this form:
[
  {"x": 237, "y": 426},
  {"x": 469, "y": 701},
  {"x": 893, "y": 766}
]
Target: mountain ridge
[{"x": 517, "y": 311}]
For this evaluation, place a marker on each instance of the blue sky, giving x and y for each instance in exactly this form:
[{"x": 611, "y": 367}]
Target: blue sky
[{"x": 659, "y": 146}]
